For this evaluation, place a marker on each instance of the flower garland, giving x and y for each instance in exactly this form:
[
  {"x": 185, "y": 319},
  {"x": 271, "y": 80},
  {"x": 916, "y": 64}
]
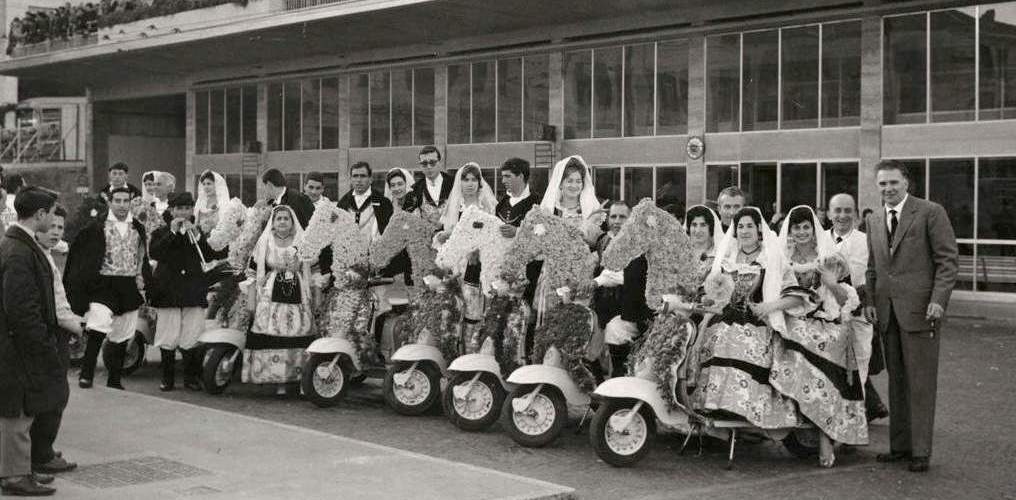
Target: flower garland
[
  {"x": 322, "y": 229},
  {"x": 406, "y": 231},
  {"x": 476, "y": 230},
  {"x": 348, "y": 315},
  {"x": 558, "y": 244},
  {"x": 505, "y": 323},
  {"x": 664, "y": 347},
  {"x": 350, "y": 247},
  {"x": 568, "y": 327},
  {"x": 254, "y": 223},
  {"x": 229, "y": 225},
  {"x": 435, "y": 310},
  {"x": 672, "y": 261}
]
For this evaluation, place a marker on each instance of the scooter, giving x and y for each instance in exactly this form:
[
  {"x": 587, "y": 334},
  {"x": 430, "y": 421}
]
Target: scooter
[
  {"x": 630, "y": 409},
  {"x": 350, "y": 353},
  {"x": 224, "y": 343},
  {"x": 544, "y": 396},
  {"x": 412, "y": 384},
  {"x": 476, "y": 388}
]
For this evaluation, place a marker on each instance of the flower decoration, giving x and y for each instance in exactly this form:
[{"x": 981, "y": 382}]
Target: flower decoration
[
  {"x": 562, "y": 249},
  {"x": 229, "y": 226},
  {"x": 665, "y": 346},
  {"x": 718, "y": 290},
  {"x": 347, "y": 314},
  {"x": 568, "y": 327},
  {"x": 672, "y": 261},
  {"x": 436, "y": 311},
  {"x": 150, "y": 217},
  {"x": 254, "y": 223},
  {"x": 412, "y": 233},
  {"x": 476, "y": 231},
  {"x": 539, "y": 230},
  {"x": 504, "y": 323},
  {"x": 322, "y": 229}
]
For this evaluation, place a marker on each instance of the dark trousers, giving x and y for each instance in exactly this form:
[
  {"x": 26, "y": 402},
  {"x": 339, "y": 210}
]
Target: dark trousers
[
  {"x": 44, "y": 429},
  {"x": 912, "y": 362}
]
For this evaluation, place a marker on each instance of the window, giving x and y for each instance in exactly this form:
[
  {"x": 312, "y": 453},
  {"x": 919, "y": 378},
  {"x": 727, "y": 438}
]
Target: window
[
  {"x": 330, "y": 113},
  {"x": 638, "y": 184},
  {"x": 996, "y": 199},
  {"x": 607, "y": 182},
  {"x": 303, "y": 115},
  {"x": 671, "y": 186},
  {"x": 759, "y": 180},
  {"x": 797, "y": 185},
  {"x": 536, "y": 94},
  {"x": 458, "y": 104},
  {"x": 799, "y": 50},
  {"x": 291, "y": 116},
  {"x": 953, "y": 64},
  {"x": 359, "y": 111},
  {"x": 578, "y": 93},
  {"x": 392, "y": 108},
  {"x": 310, "y": 104},
  {"x": 719, "y": 177},
  {"x": 225, "y": 119},
  {"x": 723, "y": 80},
  {"x": 423, "y": 106},
  {"x": 664, "y": 184},
  {"x": 841, "y": 74},
  {"x": 607, "y": 73},
  {"x": 201, "y": 122},
  {"x": 275, "y": 116},
  {"x": 672, "y": 87},
  {"x": 380, "y": 115},
  {"x": 838, "y": 178},
  {"x": 904, "y": 69},
  {"x": 998, "y": 61},
  {"x": 951, "y": 183},
  {"x": 484, "y": 102},
  {"x": 402, "y": 108},
  {"x": 639, "y": 85},
  {"x": 760, "y": 81},
  {"x": 509, "y": 100}
]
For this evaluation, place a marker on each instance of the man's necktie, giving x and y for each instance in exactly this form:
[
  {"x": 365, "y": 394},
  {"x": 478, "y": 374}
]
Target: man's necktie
[
  {"x": 839, "y": 239},
  {"x": 893, "y": 223}
]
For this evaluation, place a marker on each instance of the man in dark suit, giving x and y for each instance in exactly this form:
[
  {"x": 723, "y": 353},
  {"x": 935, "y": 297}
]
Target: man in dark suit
[
  {"x": 912, "y": 266},
  {"x": 369, "y": 206},
  {"x": 430, "y": 194},
  {"x": 513, "y": 207},
  {"x": 118, "y": 178},
  {"x": 274, "y": 184},
  {"x": 33, "y": 371}
]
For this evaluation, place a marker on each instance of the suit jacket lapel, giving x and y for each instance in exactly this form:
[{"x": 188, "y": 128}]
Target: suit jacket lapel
[{"x": 906, "y": 221}]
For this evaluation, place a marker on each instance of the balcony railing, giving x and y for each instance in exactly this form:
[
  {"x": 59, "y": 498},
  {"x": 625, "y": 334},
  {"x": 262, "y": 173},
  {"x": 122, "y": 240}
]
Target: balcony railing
[{"x": 48, "y": 142}]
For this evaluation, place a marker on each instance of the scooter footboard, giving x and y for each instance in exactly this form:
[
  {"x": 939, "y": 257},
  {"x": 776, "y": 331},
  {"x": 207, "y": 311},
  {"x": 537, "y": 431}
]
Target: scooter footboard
[
  {"x": 420, "y": 352},
  {"x": 550, "y": 375}
]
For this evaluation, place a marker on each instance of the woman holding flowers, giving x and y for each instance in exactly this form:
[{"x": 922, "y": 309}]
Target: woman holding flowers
[
  {"x": 282, "y": 316},
  {"x": 814, "y": 359},
  {"x": 735, "y": 347}
]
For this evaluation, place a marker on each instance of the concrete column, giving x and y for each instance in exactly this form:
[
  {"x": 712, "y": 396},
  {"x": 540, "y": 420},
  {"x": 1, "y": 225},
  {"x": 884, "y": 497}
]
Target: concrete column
[
  {"x": 555, "y": 116},
  {"x": 262, "y": 133},
  {"x": 441, "y": 108},
  {"x": 696, "y": 176},
  {"x": 189, "y": 128},
  {"x": 344, "y": 133},
  {"x": 87, "y": 122},
  {"x": 871, "y": 110}
]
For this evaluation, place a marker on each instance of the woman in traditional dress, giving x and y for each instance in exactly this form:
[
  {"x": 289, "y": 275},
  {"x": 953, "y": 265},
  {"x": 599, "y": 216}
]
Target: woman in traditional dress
[
  {"x": 735, "y": 348},
  {"x": 814, "y": 360},
  {"x": 213, "y": 193},
  {"x": 397, "y": 189},
  {"x": 705, "y": 233},
  {"x": 470, "y": 189},
  {"x": 571, "y": 195},
  {"x": 283, "y": 319}
]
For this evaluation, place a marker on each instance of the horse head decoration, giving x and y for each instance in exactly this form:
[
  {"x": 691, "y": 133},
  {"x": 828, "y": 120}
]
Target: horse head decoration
[
  {"x": 229, "y": 225},
  {"x": 333, "y": 226},
  {"x": 561, "y": 247},
  {"x": 476, "y": 230},
  {"x": 672, "y": 262},
  {"x": 409, "y": 232}
]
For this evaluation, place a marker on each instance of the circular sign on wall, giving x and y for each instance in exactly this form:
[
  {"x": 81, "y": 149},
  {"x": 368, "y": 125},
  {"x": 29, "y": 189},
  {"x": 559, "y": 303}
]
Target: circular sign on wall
[{"x": 695, "y": 148}]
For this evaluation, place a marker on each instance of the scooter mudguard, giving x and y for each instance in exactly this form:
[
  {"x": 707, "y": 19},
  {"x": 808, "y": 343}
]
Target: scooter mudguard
[
  {"x": 471, "y": 363},
  {"x": 224, "y": 336},
  {"x": 646, "y": 391},
  {"x": 335, "y": 345},
  {"x": 550, "y": 375},
  {"x": 420, "y": 352}
]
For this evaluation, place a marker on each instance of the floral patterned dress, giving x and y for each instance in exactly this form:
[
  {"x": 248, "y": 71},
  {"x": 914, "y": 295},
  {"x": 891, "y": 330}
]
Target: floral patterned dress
[
  {"x": 283, "y": 321},
  {"x": 813, "y": 362},
  {"x": 736, "y": 355}
]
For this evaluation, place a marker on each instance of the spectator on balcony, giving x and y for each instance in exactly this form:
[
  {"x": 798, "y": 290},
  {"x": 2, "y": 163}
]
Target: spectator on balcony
[
  {"x": 118, "y": 178},
  {"x": 15, "y": 35}
]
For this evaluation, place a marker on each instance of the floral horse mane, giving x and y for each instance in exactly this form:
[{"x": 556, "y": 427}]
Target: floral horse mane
[
  {"x": 476, "y": 230},
  {"x": 409, "y": 232},
  {"x": 229, "y": 226},
  {"x": 672, "y": 262},
  {"x": 333, "y": 226},
  {"x": 560, "y": 245}
]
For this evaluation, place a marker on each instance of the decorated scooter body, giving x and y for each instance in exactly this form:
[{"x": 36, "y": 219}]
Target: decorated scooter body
[{"x": 546, "y": 395}]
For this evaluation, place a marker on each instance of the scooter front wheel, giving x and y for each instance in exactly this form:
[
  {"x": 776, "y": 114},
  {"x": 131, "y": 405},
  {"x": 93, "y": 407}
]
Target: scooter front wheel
[
  {"x": 621, "y": 446},
  {"x": 412, "y": 390},
  {"x": 473, "y": 406},
  {"x": 220, "y": 363},
  {"x": 535, "y": 420},
  {"x": 325, "y": 380}
]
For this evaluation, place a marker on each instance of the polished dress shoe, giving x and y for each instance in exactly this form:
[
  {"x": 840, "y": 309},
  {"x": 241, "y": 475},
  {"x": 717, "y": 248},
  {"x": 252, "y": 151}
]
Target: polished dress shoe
[
  {"x": 919, "y": 464},
  {"x": 55, "y": 466},
  {"x": 115, "y": 385},
  {"x": 893, "y": 456},
  {"x": 877, "y": 413},
  {"x": 85, "y": 383},
  {"x": 25, "y": 486},
  {"x": 43, "y": 478}
]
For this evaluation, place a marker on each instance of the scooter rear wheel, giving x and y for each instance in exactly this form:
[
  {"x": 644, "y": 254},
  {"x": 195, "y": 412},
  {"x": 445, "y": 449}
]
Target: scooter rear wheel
[
  {"x": 217, "y": 369},
  {"x": 419, "y": 393},
  {"x": 539, "y": 424},
  {"x": 802, "y": 443},
  {"x": 480, "y": 408},
  {"x": 324, "y": 384},
  {"x": 134, "y": 356},
  {"x": 621, "y": 447}
]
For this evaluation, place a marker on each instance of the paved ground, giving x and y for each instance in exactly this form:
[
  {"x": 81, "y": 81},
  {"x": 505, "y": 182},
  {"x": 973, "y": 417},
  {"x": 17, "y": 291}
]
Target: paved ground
[{"x": 975, "y": 454}]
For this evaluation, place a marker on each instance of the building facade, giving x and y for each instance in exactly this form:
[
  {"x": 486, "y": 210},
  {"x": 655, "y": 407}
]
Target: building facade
[{"x": 794, "y": 101}]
